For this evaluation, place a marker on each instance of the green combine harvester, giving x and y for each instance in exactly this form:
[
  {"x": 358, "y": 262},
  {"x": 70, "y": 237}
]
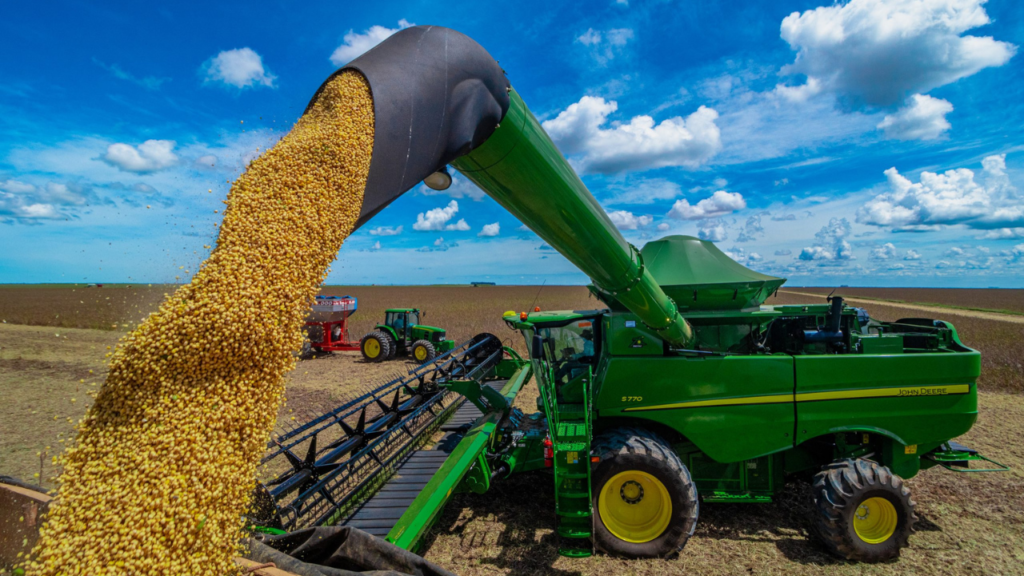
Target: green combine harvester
[
  {"x": 683, "y": 388},
  {"x": 401, "y": 334}
]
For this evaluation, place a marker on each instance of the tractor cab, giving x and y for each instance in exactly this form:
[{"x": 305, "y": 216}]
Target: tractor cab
[
  {"x": 401, "y": 321},
  {"x": 401, "y": 334}
]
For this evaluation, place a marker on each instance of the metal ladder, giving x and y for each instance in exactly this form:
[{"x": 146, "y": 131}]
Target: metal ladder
[{"x": 570, "y": 428}]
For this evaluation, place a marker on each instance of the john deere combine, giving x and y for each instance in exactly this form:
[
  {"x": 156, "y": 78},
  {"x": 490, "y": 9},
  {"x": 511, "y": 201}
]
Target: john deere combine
[{"x": 684, "y": 388}]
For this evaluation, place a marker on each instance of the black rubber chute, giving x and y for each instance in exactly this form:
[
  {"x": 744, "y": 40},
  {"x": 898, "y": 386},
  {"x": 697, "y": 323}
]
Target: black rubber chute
[
  {"x": 338, "y": 551},
  {"x": 437, "y": 95}
]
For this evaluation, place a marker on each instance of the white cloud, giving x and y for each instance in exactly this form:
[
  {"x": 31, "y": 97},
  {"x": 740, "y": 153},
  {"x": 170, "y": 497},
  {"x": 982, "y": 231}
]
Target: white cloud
[
  {"x": 953, "y": 197},
  {"x": 742, "y": 256},
  {"x": 490, "y": 230},
  {"x": 386, "y": 231},
  {"x": 886, "y": 251},
  {"x": 376, "y": 245},
  {"x": 437, "y": 219},
  {"x": 16, "y": 187},
  {"x": 460, "y": 188},
  {"x": 923, "y": 118},
  {"x": 625, "y": 220},
  {"x": 645, "y": 191},
  {"x": 663, "y": 227},
  {"x": 955, "y": 251},
  {"x": 712, "y": 230},
  {"x": 640, "y": 144},
  {"x": 1015, "y": 254},
  {"x": 830, "y": 243},
  {"x": 439, "y": 246},
  {"x": 1003, "y": 234},
  {"x": 150, "y": 156},
  {"x": 21, "y": 201},
  {"x": 354, "y": 45},
  {"x": 752, "y": 230},
  {"x": 877, "y": 52},
  {"x": 207, "y": 161},
  {"x": 605, "y": 45},
  {"x": 718, "y": 204},
  {"x": 784, "y": 252},
  {"x": 912, "y": 255},
  {"x": 799, "y": 94},
  {"x": 241, "y": 68}
]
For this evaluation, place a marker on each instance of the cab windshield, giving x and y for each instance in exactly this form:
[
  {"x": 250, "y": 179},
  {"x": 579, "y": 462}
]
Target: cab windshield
[{"x": 567, "y": 349}]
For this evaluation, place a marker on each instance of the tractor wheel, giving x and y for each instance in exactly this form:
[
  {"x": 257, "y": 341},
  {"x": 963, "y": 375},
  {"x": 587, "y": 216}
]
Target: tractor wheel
[
  {"x": 376, "y": 346},
  {"x": 864, "y": 511},
  {"x": 645, "y": 501},
  {"x": 393, "y": 350},
  {"x": 423, "y": 351}
]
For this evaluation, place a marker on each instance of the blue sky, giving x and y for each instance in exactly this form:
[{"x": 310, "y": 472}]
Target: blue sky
[{"x": 871, "y": 142}]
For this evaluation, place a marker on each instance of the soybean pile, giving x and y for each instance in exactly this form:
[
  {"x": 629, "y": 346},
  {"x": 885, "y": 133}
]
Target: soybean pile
[{"x": 165, "y": 461}]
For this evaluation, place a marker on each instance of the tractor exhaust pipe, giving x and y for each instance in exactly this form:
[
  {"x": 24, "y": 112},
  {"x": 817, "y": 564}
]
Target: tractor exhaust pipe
[{"x": 437, "y": 95}]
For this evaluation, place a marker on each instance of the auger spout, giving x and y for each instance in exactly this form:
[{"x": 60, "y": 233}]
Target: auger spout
[{"x": 439, "y": 99}]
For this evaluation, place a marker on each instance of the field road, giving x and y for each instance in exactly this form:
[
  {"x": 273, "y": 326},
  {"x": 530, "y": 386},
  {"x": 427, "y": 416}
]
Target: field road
[{"x": 944, "y": 310}]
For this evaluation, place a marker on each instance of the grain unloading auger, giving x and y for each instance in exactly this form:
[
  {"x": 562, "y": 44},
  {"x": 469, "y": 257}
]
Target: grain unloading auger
[{"x": 685, "y": 389}]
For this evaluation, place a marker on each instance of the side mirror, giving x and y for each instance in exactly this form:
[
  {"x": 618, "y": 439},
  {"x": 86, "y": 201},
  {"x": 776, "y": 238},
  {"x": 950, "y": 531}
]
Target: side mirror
[{"x": 537, "y": 349}]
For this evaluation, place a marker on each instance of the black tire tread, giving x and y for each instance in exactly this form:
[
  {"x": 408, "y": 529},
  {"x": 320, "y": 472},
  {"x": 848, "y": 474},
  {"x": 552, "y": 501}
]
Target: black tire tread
[
  {"x": 385, "y": 346},
  {"x": 639, "y": 441},
  {"x": 840, "y": 486},
  {"x": 431, "y": 352}
]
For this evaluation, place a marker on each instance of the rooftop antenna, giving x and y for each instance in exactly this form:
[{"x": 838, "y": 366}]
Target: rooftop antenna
[{"x": 538, "y": 295}]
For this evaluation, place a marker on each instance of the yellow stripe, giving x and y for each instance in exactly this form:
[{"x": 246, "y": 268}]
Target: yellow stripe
[
  {"x": 913, "y": 391},
  {"x": 774, "y": 399},
  {"x": 901, "y": 392}
]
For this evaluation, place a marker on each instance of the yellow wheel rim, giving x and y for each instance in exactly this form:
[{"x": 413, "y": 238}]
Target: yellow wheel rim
[
  {"x": 420, "y": 353},
  {"x": 372, "y": 348},
  {"x": 635, "y": 506},
  {"x": 874, "y": 520}
]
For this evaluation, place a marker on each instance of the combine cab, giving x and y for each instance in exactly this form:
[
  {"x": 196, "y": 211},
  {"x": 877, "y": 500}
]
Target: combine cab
[{"x": 401, "y": 334}]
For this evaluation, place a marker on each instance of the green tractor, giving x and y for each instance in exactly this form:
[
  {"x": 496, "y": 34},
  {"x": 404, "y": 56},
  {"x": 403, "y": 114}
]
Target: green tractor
[{"x": 401, "y": 334}]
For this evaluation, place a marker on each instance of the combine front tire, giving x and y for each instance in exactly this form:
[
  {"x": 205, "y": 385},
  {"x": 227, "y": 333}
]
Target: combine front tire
[
  {"x": 864, "y": 512},
  {"x": 423, "y": 351},
  {"x": 376, "y": 346},
  {"x": 644, "y": 499}
]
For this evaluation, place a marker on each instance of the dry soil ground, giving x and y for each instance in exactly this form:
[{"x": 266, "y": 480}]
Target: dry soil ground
[{"x": 970, "y": 524}]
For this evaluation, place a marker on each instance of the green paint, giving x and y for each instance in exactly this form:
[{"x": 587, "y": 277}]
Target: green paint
[{"x": 521, "y": 169}]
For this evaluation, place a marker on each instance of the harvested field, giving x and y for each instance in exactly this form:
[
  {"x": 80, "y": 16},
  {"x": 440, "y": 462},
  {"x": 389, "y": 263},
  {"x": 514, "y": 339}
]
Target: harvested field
[
  {"x": 971, "y": 524},
  {"x": 1008, "y": 301},
  {"x": 112, "y": 307}
]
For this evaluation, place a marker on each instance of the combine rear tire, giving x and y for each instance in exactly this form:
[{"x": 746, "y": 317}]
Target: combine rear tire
[
  {"x": 864, "y": 511},
  {"x": 423, "y": 351},
  {"x": 644, "y": 499},
  {"x": 376, "y": 346}
]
